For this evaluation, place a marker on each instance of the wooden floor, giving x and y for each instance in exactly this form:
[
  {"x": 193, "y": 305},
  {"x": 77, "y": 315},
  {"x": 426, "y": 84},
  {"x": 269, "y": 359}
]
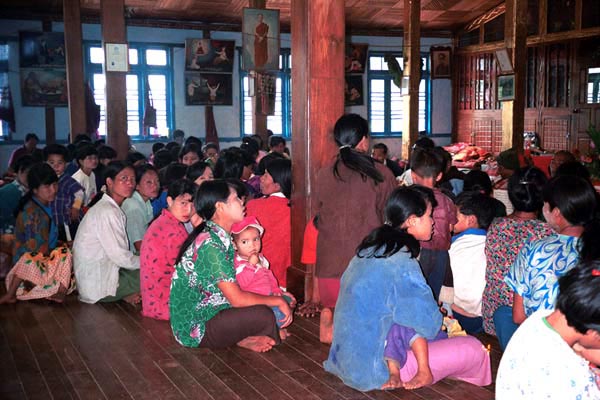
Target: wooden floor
[{"x": 81, "y": 351}]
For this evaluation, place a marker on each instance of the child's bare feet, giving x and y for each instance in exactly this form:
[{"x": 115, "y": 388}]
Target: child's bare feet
[
  {"x": 8, "y": 299},
  {"x": 259, "y": 344},
  {"x": 284, "y": 334},
  {"x": 326, "y": 326},
  {"x": 394, "y": 382},
  {"x": 423, "y": 377},
  {"x": 133, "y": 299}
]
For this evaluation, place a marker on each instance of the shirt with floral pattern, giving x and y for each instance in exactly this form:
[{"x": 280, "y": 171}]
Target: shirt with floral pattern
[
  {"x": 195, "y": 295},
  {"x": 505, "y": 237}
]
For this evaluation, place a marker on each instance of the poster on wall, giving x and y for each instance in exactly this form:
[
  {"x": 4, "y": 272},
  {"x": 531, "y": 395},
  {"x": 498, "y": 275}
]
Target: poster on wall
[
  {"x": 44, "y": 87},
  {"x": 353, "y": 92},
  {"x": 41, "y": 49},
  {"x": 260, "y": 40},
  {"x": 355, "y": 58},
  {"x": 207, "y": 55},
  {"x": 208, "y": 89}
]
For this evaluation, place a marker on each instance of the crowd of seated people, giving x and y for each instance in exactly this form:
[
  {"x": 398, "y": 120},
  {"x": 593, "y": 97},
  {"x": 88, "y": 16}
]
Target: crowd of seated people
[{"x": 201, "y": 237}]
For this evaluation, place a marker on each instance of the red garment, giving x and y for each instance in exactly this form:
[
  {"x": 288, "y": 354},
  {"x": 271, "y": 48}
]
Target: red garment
[
  {"x": 160, "y": 247},
  {"x": 309, "y": 245},
  {"x": 444, "y": 215},
  {"x": 274, "y": 215},
  {"x": 257, "y": 278}
]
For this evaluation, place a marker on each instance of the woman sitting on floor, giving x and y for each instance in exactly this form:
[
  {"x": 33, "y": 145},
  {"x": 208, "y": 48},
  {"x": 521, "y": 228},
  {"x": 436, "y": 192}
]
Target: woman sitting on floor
[
  {"x": 105, "y": 268},
  {"x": 207, "y": 307},
  {"x": 42, "y": 269}
]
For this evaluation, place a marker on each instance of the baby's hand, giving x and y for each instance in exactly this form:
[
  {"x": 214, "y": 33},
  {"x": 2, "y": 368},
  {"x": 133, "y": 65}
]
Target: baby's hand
[{"x": 253, "y": 259}]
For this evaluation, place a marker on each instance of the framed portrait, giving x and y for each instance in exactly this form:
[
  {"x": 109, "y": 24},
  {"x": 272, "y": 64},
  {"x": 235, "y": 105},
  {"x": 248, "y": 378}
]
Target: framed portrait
[
  {"x": 116, "y": 57},
  {"x": 506, "y": 87},
  {"x": 44, "y": 87},
  {"x": 208, "y": 55},
  {"x": 260, "y": 39},
  {"x": 353, "y": 92},
  {"x": 441, "y": 62},
  {"x": 42, "y": 49},
  {"x": 503, "y": 60},
  {"x": 208, "y": 89},
  {"x": 355, "y": 58}
]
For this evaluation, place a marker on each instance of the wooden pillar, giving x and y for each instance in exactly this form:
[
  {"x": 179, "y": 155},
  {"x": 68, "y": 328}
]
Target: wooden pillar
[
  {"x": 412, "y": 73},
  {"x": 49, "y": 111},
  {"x": 515, "y": 37},
  {"x": 259, "y": 121},
  {"x": 74, "y": 56},
  {"x": 318, "y": 40},
  {"x": 113, "y": 31}
]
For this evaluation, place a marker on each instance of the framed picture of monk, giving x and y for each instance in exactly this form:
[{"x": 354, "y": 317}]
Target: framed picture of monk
[
  {"x": 260, "y": 40},
  {"x": 440, "y": 62}
]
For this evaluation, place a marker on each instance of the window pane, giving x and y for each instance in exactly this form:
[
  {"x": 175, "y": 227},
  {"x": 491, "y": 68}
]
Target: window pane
[
  {"x": 396, "y": 114},
  {"x": 133, "y": 106},
  {"x": 99, "y": 84},
  {"x": 247, "y": 108},
  {"x": 156, "y": 57},
  {"x": 4, "y": 91},
  {"x": 422, "y": 105},
  {"x": 133, "y": 56},
  {"x": 377, "y": 105},
  {"x": 158, "y": 92},
  {"x": 376, "y": 63},
  {"x": 275, "y": 122},
  {"x": 96, "y": 55}
]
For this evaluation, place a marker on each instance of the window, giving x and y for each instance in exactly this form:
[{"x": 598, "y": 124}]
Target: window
[
  {"x": 386, "y": 113},
  {"x": 281, "y": 122},
  {"x": 4, "y": 89},
  {"x": 150, "y": 67}
]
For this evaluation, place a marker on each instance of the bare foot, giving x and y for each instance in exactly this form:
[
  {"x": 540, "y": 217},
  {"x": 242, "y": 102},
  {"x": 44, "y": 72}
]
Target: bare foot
[
  {"x": 422, "y": 378},
  {"x": 326, "y": 326},
  {"x": 133, "y": 299},
  {"x": 260, "y": 344},
  {"x": 8, "y": 299},
  {"x": 59, "y": 296},
  {"x": 308, "y": 309},
  {"x": 393, "y": 383},
  {"x": 284, "y": 334}
]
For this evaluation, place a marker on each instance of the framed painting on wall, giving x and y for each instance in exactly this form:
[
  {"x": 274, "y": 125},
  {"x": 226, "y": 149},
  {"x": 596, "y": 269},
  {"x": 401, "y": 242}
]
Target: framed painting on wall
[
  {"x": 207, "y": 89},
  {"x": 41, "y": 49},
  {"x": 207, "y": 55},
  {"x": 353, "y": 92},
  {"x": 503, "y": 60},
  {"x": 260, "y": 39},
  {"x": 355, "y": 58},
  {"x": 506, "y": 87},
  {"x": 440, "y": 62},
  {"x": 44, "y": 88}
]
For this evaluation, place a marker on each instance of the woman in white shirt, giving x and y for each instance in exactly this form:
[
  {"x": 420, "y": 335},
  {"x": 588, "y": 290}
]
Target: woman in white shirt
[{"x": 105, "y": 268}]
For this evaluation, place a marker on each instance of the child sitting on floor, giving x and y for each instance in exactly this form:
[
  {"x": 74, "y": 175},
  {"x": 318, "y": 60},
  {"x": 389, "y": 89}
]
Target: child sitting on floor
[{"x": 252, "y": 268}]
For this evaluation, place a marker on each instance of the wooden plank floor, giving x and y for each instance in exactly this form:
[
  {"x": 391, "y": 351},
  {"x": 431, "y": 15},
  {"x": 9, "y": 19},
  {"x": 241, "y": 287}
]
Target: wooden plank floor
[{"x": 109, "y": 351}]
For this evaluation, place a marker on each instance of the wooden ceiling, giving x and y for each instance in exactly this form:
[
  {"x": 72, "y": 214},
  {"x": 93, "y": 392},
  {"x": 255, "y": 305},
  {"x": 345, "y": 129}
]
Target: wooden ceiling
[{"x": 361, "y": 15}]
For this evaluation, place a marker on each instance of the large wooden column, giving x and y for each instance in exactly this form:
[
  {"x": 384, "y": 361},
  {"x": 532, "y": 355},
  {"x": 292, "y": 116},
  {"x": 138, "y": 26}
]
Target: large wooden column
[
  {"x": 412, "y": 73},
  {"x": 318, "y": 39},
  {"x": 75, "y": 79},
  {"x": 259, "y": 121},
  {"x": 515, "y": 39},
  {"x": 113, "y": 31}
]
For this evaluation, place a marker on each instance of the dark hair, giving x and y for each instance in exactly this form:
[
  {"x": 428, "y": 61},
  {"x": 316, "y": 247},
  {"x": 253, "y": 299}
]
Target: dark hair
[
  {"x": 178, "y": 133},
  {"x": 230, "y": 164},
  {"x": 193, "y": 140},
  {"x": 426, "y": 163},
  {"x": 348, "y": 131},
  {"x": 134, "y": 157},
  {"x": 39, "y": 174},
  {"x": 171, "y": 173},
  {"x": 99, "y": 143},
  {"x": 478, "y": 204},
  {"x": 265, "y": 161},
  {"x": 572, "y": 168},
  {"x": 525, "y": 189},
  {"x": 196, "y": 170},
  {"x": 579, "y": 298},
  {"x": 23, "y": 163},
  {"x": 169, "y": 146},
  {"x": 210, "y": 145},
  {"x": 381, "y": 146},
  {"x": 250, "y": 146},
  {"x": 174, "y": 150},
  {"x": 423, "y": 142},
  {"x": 82, "y": 137},
  {"x": 31, "y": 136},
  {"x": 205, "y": 202},
  {"x": 477, "y": 181},
  {"x": 162, "y": 158},
  {"x": 110, "y": 171},
  {"x": 258, "y": 141},
  {"x": 55, "y": 149},
  {"x": 106, "y": 152},
  {"x": 276, "y": 141},
  {"x": 444, "y": 156},
  {"x": 85, "y": 150},
  {"x": 240, "y": 187},
  {"x": 390, "y": 237},
  {"x": 191, "y": 148},
  {"x": 574, "y": 196},
  {"x": 181, "y": 187},
  {"x": 157, "y": 146},
  {"x": 142, "y": 170},
  {"x": 281, "y": 172}
]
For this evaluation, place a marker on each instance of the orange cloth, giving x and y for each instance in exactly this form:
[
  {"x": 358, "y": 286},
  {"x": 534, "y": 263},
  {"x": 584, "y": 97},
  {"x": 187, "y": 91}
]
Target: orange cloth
[{"x": 309, "y": 245}]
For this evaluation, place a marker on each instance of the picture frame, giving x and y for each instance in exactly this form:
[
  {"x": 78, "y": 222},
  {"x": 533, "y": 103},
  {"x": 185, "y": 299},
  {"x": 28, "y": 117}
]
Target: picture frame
[
  {"x": 260, "y": 39},
  {"x": 353, "y": 92},
  {"x": 441, "y": 66},
  {"x": 116, "y": 57},
  {"x": 208, "y": 55},
  {"x": 208, "y": 89},
  {"x": 44, "y": 87},
  {"x": 503, "y": 60},
  {"x": 42, "y": 50},
  {"x": 355, "y": 58},
  {"x": 506, "y": 87}
]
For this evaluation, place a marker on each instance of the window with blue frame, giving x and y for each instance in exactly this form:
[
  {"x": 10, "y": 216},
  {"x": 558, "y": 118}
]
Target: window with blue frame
[
  {"x": 150, "y": 68},
  {"x": 281, "y": 122},
  {"x": 4, "y": 89},
  {"x": 386, "y": 115}
]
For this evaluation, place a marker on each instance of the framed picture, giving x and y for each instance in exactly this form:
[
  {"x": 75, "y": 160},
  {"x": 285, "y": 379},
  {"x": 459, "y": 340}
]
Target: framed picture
[
  {"x": 355, "y": 58},
  {"x": 506, "y": 87},
  {"x": 42, "y": 49},
  {"x": 440, "y": 62},
  {"x": 353, "y": 92},
  {"x": 260, "y": 39},
  {"x": 207, "y": 55},
  {"x": 44, "y": 87},
  {"x": 116, "y": 57},
  {"x": 504, "y": 63},
  {"x": 207, "y": 89}
]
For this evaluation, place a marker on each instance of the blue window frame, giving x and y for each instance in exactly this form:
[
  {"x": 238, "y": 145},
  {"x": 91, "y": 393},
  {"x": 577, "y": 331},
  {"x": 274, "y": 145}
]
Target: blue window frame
[
  {"x": 4, "y": 91},
  {"x": 281, "y": 122},
  {"x": 149, "y": 65},
  {"x": 385, "y": 103}
]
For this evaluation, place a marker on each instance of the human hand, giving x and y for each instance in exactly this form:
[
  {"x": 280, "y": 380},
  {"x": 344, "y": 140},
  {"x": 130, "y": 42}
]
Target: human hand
[
  {"x": 287, "y": 313},
  {"x": 253, "y": 259},
  {"x": 292, "y": 299},
  {"x": 74, "y": 214}
]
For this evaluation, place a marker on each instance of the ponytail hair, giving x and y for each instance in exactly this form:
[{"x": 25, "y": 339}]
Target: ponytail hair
[
  {"x": 348, "y": 131},
  {"x": 390, "y": 237},
  {"x": 208, "y": 194}
]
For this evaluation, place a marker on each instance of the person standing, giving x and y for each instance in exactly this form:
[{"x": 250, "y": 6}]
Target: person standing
[{"x": 261, "y": 44}]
